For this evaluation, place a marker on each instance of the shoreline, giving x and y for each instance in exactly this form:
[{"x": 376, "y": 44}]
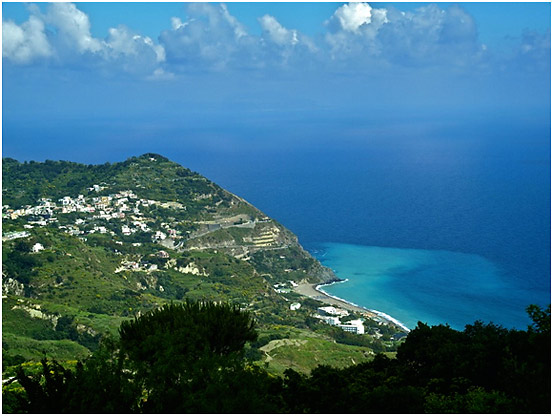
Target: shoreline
[{"x": 314, "y": 291}]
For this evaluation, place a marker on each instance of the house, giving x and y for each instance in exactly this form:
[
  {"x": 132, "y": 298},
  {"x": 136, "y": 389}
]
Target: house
[
  {"x": 37, "y": 247},
  {"x": 162, "y": 254},
  {"x": 295, "y": 306},
  {"x": 331, "y": 310},
  {"x": 159, "y": 236}
]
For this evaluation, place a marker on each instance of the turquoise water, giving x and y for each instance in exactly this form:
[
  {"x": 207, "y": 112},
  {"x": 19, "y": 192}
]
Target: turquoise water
[{"x": 432, "y": 286}]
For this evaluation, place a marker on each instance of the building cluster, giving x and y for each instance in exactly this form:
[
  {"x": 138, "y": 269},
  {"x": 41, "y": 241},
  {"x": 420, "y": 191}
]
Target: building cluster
[
  {"x": 118, "y": 206},
  {"x": 15, "y": 235},
  {"x": 285, "y": 287},
  {"x": 333, "y": 316}
]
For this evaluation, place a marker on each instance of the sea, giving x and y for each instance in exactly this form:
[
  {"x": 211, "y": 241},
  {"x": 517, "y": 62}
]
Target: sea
[
  {"x": 445, "y": 226},
  {"x": 439, "y": 222}
]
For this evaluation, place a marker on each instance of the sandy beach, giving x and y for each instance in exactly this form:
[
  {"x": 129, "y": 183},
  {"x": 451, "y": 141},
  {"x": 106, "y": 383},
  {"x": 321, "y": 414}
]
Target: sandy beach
[{"x": 310, "y": 290}]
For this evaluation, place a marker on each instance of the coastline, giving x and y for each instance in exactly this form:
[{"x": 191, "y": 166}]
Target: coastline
[{"x": 314, "y": 291}]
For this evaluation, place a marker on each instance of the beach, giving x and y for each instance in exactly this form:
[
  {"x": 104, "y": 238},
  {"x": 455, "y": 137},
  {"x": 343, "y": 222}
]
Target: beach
[{"x": 313, "y": 291}]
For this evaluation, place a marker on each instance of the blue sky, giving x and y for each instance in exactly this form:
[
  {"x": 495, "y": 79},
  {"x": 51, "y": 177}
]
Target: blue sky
[{"x": 234, "y": 70}]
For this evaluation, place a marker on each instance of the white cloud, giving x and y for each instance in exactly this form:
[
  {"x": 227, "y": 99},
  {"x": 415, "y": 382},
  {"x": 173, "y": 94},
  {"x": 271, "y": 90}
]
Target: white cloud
[
  {"x": 69, "y": 38},
  {"x": 429, "y": 35},
  {"x": 176, "y": 23},
  {"x": 122, "y": 42},
  {"x": 73, "y": 27},
  {"x": 218, "y": 18},
  {"x": 209, "y": 37},
  {"x": 239, "y": 30},
  {"x": 353, "y": 29},
  {"x": 161, "y": 75},
  {"x": 22, "y": 44},
  {"x": 359, "y": 37},
  {"x": 278, "y": 33},
  {"x": 353, "y": 15}
]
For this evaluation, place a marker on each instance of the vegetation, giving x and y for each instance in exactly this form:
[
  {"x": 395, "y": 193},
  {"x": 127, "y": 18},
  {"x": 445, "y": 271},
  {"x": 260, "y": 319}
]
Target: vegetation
[
  {"x": 91, "y": 275},
  {"x": 191, "y": 358},
  {"x": 118, "y": 282}
]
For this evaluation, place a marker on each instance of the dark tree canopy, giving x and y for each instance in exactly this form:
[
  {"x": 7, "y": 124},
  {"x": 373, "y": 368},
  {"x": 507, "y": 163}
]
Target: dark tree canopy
[
  {"x": 188, "y": 329},
  {"x": 188, "y": 358}
]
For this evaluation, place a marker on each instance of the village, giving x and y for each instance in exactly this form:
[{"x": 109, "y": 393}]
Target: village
[
  {"x": 120, "y": 214},
  {"x": 121, "y": 205},
  {"x": 117, "y": 214}
]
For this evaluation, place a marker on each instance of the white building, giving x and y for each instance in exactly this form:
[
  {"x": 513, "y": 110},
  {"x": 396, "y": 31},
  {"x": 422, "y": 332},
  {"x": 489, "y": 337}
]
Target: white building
[
  {"x": 331, "y": 320},
  {"x": 37, "y": 247},
  {"x": 331, "y": 310},
  {"x": 295, "y": 306},
  {"x": 160, "y": 235},
  {"x": 355, "y": 326}
]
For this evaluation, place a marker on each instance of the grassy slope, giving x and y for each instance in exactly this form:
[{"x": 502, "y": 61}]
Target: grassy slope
[{"x": 304, "y": 350}]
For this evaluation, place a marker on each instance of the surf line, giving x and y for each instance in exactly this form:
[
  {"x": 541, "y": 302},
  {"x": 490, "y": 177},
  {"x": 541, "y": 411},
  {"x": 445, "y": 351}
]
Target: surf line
[{"x": 380, "y": 314}]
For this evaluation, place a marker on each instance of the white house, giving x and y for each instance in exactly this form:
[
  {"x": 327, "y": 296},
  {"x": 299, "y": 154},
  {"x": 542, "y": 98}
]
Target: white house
[
  {"x": 37, "y": 247},
  {"x": 295, "y": 306},
  {"x": 331, "y": 310},
  {"x": 160, "y": 235}
]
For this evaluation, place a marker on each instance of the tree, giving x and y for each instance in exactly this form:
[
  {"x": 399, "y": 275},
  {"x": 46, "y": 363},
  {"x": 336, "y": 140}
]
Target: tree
[
  {"x": 181, "y": 352},
  {"x": 541, "y": 319}
]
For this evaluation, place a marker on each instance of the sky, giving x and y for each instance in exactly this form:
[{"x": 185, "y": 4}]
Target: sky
[{"x": 114, "y": 70}]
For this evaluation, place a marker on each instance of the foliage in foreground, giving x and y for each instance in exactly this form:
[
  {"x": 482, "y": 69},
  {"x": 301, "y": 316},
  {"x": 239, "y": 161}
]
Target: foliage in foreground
[{"x": 190, "y": 358}]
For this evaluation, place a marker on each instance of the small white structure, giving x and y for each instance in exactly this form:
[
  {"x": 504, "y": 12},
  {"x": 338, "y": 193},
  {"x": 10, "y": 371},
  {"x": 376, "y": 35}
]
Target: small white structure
[
  {"x": 331, "y": 310},
  {"x": 295, "y": 306},
  {"x": 160, "y": 235},
  {"x": 37, "y": 247},
  {"x": 331, "y": 320}
]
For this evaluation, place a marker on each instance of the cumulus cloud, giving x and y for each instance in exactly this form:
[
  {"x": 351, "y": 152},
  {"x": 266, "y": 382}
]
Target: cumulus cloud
[
  {"x": 25, "y": 43},
  {"x": 284, "y": 47},
  {"x": 430, "y": 35},
  {"x": 276, "y": 32},
  {"x": 426, "y": 36},
  {"x": 69, "y": 39},
  {"x": 132, "y": 52},
  {"x": 357, "y": 37},
  {"x": 353, "y": 29},
  {"x": 352, "y": 16},
  {"x": 73, "y": 27},
  {"x": 209, "y": 37},
  {"x": 122, "y": 42}
]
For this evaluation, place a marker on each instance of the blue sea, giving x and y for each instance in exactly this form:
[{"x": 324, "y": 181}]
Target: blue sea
[
  {"x": 439, "y": 222},
  {"x": 447, "y": 226}
]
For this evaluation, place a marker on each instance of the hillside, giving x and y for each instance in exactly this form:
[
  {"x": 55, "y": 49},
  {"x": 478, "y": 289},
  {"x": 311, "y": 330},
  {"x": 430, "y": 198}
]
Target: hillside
[{"x": 86, "y": 247}]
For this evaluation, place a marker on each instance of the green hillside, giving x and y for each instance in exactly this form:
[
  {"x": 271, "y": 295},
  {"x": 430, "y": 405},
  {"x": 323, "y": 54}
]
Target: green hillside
[{"x": 86, "y": 247}]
